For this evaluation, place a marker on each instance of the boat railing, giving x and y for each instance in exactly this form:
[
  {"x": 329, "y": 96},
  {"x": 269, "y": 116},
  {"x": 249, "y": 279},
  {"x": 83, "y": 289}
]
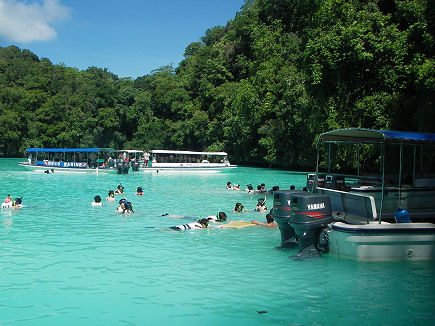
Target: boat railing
[{"x": 351, "y": 206}]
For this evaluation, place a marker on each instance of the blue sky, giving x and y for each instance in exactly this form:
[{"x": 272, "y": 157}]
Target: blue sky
[{"x": 130, "y": 38}]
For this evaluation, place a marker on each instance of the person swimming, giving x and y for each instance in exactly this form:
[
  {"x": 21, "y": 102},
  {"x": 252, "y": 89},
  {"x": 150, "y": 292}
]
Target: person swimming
[
  {"x": 200, "y": 224},
  {"x": 97, "y": 201},
  {"x": 274, "y": 188},
  {"x": 110, "y": 196},
  {"x": 263, "y": 188},
  {"x": 139, "y": 191},
  {"x": 119, "y": 190},
  {"x": 236, "y": 187},
  {"x": 220, "y": 217},
  {"x": 239, "y": 208},
  {"x": 17, "y": 203},
  {"x": 125, "y": 206},
  {"x": 9, "y": 203},
  {"x": 270, "y": 222},
  {"x": 261, "y": 205},
  {"x": 229, "y": 186},
  {"x": 249, "y": 189}
]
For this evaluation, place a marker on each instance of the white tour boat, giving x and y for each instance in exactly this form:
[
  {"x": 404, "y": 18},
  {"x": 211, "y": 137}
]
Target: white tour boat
[{"x": 167, "y": 160}]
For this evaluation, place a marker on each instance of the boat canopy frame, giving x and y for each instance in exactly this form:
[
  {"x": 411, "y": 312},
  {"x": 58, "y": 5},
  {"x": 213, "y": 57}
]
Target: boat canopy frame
[{"x": 372, "y": 136}]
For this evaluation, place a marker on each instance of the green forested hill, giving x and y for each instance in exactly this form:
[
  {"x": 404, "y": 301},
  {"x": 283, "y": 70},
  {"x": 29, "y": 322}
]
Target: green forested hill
[{"x": 261, "y": 87}]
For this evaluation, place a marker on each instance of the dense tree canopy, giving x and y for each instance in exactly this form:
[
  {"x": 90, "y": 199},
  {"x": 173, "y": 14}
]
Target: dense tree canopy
[{"x": 261, "y": 87}]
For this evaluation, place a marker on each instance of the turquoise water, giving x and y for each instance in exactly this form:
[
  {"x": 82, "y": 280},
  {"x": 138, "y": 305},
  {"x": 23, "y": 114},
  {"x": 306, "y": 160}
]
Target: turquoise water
[{"x": 63, "y": 262}]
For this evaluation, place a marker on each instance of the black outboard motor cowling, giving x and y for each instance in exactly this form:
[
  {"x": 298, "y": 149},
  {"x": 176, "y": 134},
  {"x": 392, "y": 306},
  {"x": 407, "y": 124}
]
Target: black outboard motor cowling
[
  {"x": 310, "y": 215},
  {"x": 281, "y": 214}
]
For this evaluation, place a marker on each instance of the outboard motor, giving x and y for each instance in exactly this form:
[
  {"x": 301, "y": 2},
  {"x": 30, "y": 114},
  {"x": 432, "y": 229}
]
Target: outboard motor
[
  {"x": 310, "y": 214},
  {"x": 281, "y": 214},
  {"x": 311, "y": 177},
  {"x": 122, "y": 167}
]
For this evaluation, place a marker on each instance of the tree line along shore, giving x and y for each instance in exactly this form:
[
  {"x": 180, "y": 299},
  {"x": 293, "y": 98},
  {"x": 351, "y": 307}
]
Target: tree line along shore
[{"x": 260, "y": 87}]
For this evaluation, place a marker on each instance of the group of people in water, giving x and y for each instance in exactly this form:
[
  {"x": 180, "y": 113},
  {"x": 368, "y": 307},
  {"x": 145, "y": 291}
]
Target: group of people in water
[
  {"x": 239, "y": 208},
  {"x": 125, "y": 206}
]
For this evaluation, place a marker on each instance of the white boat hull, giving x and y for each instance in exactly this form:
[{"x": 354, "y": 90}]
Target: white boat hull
[
  {"x": 63, "y": 169},
  {"x": 383, "y": 242}
]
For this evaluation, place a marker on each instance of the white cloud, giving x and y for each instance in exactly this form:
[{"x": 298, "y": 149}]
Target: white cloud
[{"x": 22, "y": 21}]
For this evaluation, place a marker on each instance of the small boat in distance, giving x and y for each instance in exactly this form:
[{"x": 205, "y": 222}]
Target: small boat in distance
[{"x": 159, "y": 159}]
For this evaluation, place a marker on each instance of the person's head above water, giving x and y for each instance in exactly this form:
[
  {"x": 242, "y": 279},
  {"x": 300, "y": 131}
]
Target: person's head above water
[
  {"x": 203, "y": 222},
  {"x": 292, "y": 187},
  {"x": 239, "y": 207},
  {"x": 260, "y": 201},
  {"x": 111, "y": 193},
  {"x": 139, "y": 189},
  {"x": 269, "y": 218},
  {"x": 97, "y": 199},
  {"x": 221, "y": 217},
  {"x": 18, "y": 201}
]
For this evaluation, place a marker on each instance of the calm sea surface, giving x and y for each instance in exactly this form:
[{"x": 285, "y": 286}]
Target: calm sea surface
[{"x": 63, "y": 262}]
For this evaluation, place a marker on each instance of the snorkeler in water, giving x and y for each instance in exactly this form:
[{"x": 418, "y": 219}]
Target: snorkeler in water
[
  {"x": 261, "y": 205},
  {"x": 239, "y": 208},
  {"x": 200, "y": 224},
  {"x": 119, "y": 190}
]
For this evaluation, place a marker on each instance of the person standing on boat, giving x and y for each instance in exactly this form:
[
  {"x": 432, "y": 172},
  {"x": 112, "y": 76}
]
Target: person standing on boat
[{"x": 146, "y": 158}]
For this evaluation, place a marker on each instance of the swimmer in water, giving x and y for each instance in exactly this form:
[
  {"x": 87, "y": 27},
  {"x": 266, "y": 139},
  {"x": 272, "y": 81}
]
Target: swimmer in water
[
  {"x": 249, "y": 189},
  {"x": 220, "y": 217},
  {"x": 125, "y": 206},
  {"x": 9, "y": 203},
  {"x": 201, "y": 224},
  {"x": 119, "y": 190},
  {"x": 229, "y": 186},
  {"x": 97, "y": 201},
  {"x": 239, "y": 208},
  {"x": 110, "y": 196},
  {"x": 236, "y": 187},
  {"x": 274, "y": 188},
  {"x": 261, "y": 205},
  {"x": 139, "y": 191},
  {"x": 270, "y": 222}
]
